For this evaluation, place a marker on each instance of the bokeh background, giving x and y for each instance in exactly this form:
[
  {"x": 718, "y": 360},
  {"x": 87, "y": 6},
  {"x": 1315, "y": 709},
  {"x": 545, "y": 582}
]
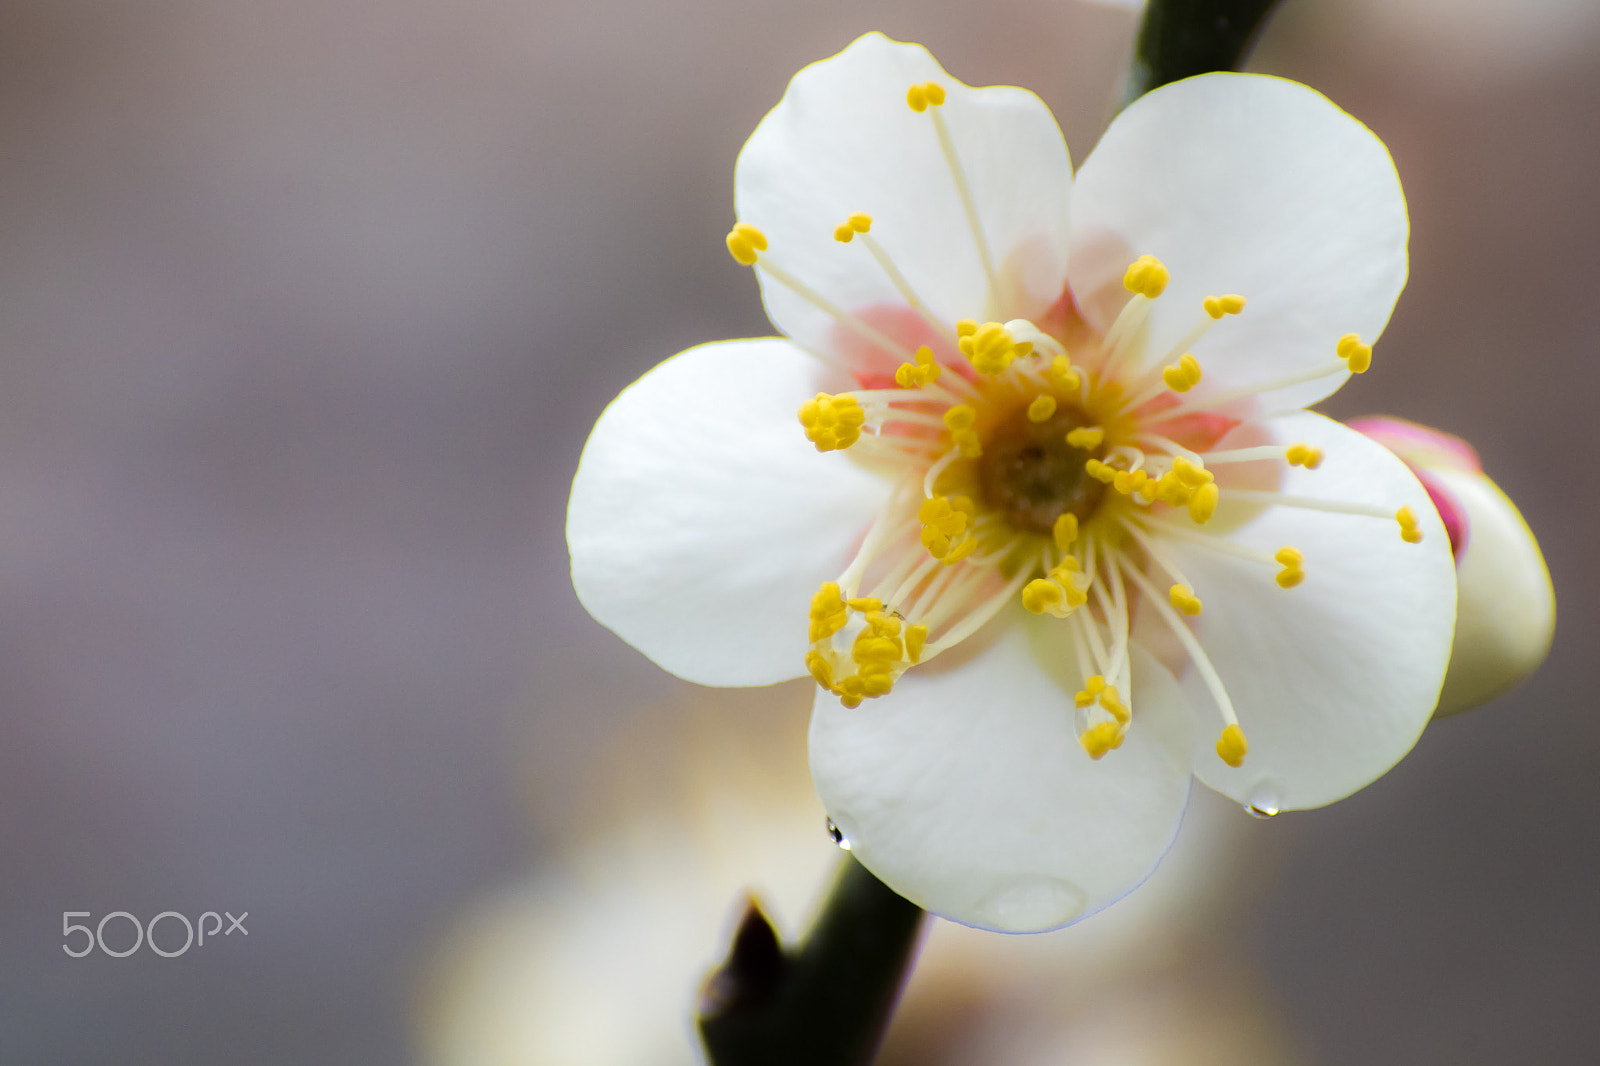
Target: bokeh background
[{"x": 305, "y": 311}]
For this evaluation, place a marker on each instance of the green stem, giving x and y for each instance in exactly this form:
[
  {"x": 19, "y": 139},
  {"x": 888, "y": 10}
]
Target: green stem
[
  {"x": 827, "y": 1002},
  {"x": 1181, "y": 38}
]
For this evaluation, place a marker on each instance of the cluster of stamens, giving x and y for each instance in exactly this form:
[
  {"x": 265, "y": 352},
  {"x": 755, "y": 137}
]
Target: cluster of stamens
[{"x": 1027, "y": 473}]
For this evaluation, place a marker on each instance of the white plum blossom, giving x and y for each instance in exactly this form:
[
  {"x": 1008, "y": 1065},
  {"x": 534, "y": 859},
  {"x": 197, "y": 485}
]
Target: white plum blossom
[{"x": 1053, "y": 531}]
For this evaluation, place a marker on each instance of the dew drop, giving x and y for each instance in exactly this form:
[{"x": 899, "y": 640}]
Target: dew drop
[
  {"x": 1030, "y": 903},
  {"x": 1263, "y": 801},
  {"x": 838, "y": 836}
]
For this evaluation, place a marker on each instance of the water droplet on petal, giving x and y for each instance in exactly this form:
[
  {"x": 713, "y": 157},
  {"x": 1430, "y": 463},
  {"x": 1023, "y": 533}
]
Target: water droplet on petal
[
  {"x": 1263, "y": 801},
  {"x": 1030, "y": 903},
  {"x": 838, "y": 836}
]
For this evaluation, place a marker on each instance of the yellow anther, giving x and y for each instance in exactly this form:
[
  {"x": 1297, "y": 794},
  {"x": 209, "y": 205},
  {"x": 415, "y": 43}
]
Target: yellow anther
[
  {"x": 829, "y": 612},
  {"x": 920, "y": 97},
  {"x": 1203, "y": 504},
  {"x": 923, "y": 370},
  {"x": 1100, "y": 471},
  {"x": 1065, "y": 531},
  {"x": 1129, "y": 482},
  {"x": 1192, "y": 474},
  {"x": 1092, "y": 687},
  {"x": 1410, "y": 532},
  {"x": 744, "y": 241},
  {"x": 1107, "y": 736},
  {"x": 1060, "y": 374},
  {"x": 1304, "y": 455},
  {"x": 959, "y": 420},
  {"x": 1217, "y": 306},
  {"x": 1039, "y": 595},
  {"x": 1171, "y": 489},
  {"x": 1184, "y": 375},
  {"x": 1066, "y": 568},
  {"x": 991, "y": 348},
  {"x": 882, "y": 625},
  {"x": 860, "y": 221},
  {"x": 820, "y": 668},
  {"x": 1147, "y": 276},
  {"x": 832, "y": 422},
  {"x": 966, "y": 327},
  {"x": 1232, "y": 747},
  {"x": 960, "y": 551},
  {"x": 1114, "y": 705},
  {"x": 1185, "y": 600},
  {"x": 916, "y": 637},
  {"x": 843, "y": 233},
  {"x": 1042, "y": 408},
  {"x": 1293, "y": 571},
  {"x": 865, "y": 604},
  {"x": 1356, "y": 355},
  {"x": 1086, "y": 437},
  {"x": 944, "y": 520}
]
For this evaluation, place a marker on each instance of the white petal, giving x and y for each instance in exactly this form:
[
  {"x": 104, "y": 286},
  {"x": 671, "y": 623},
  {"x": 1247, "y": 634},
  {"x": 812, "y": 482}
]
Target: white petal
[
  {"x": 702, "y": 520},
  {"x": 1248, "y": 184},
  {"x": 1333, "y": 680},
  {"x": 844, "y": 140},
  {"x": 966, "y": 789}
]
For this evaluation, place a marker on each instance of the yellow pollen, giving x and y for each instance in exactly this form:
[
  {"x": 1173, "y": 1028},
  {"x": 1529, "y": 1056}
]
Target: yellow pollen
[
  {"x": 1203, "y": 504},
  {"x": 744, "y": 241},
  {"x": 1039, "y": 595},
  {"x": 1100, "y": 471},
  {"x": 1304, "y": 455},
  {"x": 832, "y": 422},
  {"x": 1086, "y": 437},
  {"x": 991, "y": 348},
  {"x": 1065, "y": 531},
  {"x": 1232, "y": 747},
  {"x": 866, "y": 604},
  {"x": 959, "y": 420},
  {"x": 1147, "y": 276},
  {"x": 1129, "y": 482},
  {"x": 1185, "y": 600},
  {"x": 1217, "y": 306},
  {"x": 1092, "y": 687},
  {"x": 916, "y": 637},
  {"x": 828, "y": 612},
  {"x": 1183, "y": 376},
  {"x": 1357, "y": 356},
  {"x": 944, "y": 519},
  {"x": 1293, "y": 571},
  {"x": 918, "y": 373},
  {"x": 1107, "y": 736},
  {"x": 820, "y": 668},
  {"x": 1060, "y": 374},
  {"x": 1410, "y": 532},
  {"x": 920, "y": 96},
  {"x": 1193, "y": 475},
  {"x": 860, "y": 222},
  {"x": 1042, "y": 408},
  {"x": 966, "y": 327}
]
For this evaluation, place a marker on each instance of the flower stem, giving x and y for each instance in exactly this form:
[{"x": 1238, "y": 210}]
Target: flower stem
[
  {"x": 828, "y": 1001},
  {"x": 1180, "y": 38}
]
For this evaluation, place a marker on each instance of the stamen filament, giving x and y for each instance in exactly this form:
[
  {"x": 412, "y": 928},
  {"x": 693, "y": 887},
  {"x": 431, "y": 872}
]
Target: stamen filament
[
  {"x": 976, "y": 618},
  {"x": 939, "y": 467},
  {"x": 1221, "y": 399},
  {"x": 903, "y": 287},
  {"x": 1208, "y": 673},
  {"x": 1207, "y": 540},
  {"x": 1308, "y": 503},
  {"x": 844, "y": 318},
  {"x": 968, "y": 204}
]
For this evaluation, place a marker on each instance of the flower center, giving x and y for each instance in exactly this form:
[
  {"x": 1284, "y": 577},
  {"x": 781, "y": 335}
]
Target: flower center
[{"x": 1032, "y": 476}]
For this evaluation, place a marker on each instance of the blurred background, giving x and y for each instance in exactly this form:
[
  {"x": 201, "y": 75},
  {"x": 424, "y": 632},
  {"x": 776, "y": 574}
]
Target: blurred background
[{"x": 305, "y": 311}]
